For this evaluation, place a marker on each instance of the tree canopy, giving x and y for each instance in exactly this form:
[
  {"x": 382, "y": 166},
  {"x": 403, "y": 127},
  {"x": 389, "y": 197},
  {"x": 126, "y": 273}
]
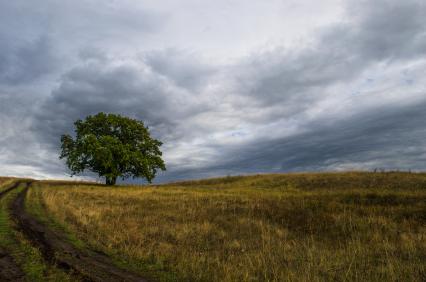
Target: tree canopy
[{"x": 112, "y": 146}]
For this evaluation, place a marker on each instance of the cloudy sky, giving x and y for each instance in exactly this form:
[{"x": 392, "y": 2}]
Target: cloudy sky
[{"x": 230, "y": 86}]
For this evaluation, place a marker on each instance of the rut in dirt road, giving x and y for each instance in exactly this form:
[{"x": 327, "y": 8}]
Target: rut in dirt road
[
  {"x": 9, "y": 270},
  {"x": 57, "y": 251},
  {"x": 13, "y": 186}
]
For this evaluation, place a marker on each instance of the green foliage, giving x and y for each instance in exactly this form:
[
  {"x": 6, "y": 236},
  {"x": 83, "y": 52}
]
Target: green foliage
[{"x": 112, "y": 146}]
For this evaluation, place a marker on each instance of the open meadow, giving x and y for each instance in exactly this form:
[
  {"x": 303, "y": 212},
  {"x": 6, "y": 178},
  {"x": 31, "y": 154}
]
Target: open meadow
[
  {"x": 213, "y": 141},
  {"x": 283, "y": 227}
]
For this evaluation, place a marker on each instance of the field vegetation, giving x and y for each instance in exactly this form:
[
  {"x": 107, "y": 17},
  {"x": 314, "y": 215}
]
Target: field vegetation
[
  {"x": 4, "y": 183},
  {"x": 14, "y": 243},
  {"x": 288, "y": 227}
]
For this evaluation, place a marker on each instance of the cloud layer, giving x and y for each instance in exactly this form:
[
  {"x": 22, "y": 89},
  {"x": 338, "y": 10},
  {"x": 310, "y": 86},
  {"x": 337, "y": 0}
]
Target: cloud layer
[{"x": 227, "y": 92}]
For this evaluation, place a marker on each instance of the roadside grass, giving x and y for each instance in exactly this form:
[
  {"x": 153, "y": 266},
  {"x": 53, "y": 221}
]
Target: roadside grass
[
  {"x": 27, "y": 257},
  {"x": 5, "y": 183},
  {"x": 36, "y": 206},
  {"x": 283, "y": 227},
  {"x": 4, "y": 179}
]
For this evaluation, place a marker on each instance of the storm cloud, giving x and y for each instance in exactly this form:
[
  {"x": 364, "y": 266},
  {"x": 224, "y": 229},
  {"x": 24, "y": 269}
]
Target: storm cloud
[{"x": 230, "y": 87}]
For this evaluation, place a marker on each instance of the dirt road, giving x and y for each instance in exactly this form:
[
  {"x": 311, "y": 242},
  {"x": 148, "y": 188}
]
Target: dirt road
[
  {"x": 9, "y": 270},
  {"x": 86, "y": 265}
]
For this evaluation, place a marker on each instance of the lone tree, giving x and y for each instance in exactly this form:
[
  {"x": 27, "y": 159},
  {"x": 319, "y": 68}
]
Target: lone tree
[{"x": 112, "y": 146}]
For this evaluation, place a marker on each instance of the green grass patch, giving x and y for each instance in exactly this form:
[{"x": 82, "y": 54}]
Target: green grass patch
[{"x": 26, "y": 256}]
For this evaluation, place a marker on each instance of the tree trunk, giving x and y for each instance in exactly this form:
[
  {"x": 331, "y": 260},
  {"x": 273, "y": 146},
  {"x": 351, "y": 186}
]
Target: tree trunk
[{"x": 111, "y": 180}]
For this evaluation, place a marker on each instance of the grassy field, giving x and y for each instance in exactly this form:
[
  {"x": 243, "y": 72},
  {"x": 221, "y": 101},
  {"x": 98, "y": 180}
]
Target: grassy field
[{"x": 295, "y": 227}]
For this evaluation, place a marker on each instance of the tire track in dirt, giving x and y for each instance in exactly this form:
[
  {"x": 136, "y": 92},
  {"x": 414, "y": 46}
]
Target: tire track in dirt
[
  {"x": 13, "y": 186},
  {"x": 59, "y": 252},
  {"x": 9, "y": 270}
]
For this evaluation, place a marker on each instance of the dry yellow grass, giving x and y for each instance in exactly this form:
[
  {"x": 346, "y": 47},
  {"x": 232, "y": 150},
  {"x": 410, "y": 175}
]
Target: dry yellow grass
[
  {"x": 4, "y": 179},
  {"x": 4, "y": 182},
  {"x": 297, "y": 227}
]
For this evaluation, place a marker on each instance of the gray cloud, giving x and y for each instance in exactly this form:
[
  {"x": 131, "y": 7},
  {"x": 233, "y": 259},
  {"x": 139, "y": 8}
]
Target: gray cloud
[
  {"x": 352, "y": 96},
  {"x": 379, "y": 32},
  {"x": 389, "y": 30},
  {"x": 181, "y": 67},
  {"x": 24, "y": 61},
  {"x": 129, "y": 88},
  {"x": 392, "y": 137}
]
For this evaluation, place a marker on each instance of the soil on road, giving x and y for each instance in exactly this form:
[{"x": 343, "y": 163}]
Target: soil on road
[
  {"x": 9, "y": 270},
  {"x": 57, "y": 250}
]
